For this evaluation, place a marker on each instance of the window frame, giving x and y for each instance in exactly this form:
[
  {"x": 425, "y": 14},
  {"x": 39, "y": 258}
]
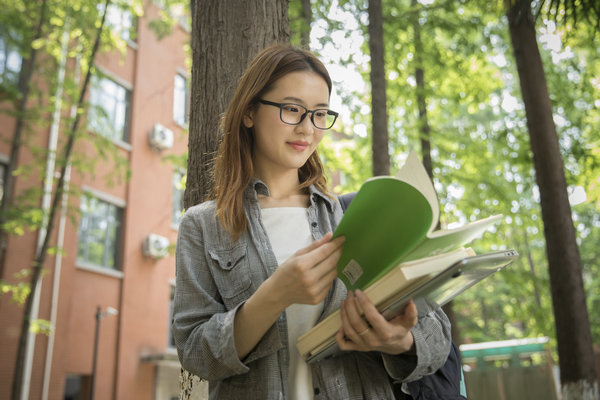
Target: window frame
[
  {"x": 186, "y": 100},
  {"x": 8, "y": 48},
  {"x": 98, "y": 110},
  {"x": 176, "y": 213},
  {"x": 4, "y": 161},
  {"x": 129, "y": 33},
  {"x": 170, "y": 337},
  {"x": 118, "y": 216}
]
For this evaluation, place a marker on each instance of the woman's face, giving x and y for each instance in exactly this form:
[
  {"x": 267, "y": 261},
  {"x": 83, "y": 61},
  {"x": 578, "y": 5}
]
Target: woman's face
[{"x": 280, "y": 147}]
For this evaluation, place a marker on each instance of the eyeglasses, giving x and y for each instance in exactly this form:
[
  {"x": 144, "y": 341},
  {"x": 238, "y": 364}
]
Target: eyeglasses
[{"x": 294, "y": 114}]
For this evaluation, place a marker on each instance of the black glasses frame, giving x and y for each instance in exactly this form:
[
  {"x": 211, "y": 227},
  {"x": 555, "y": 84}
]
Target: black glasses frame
[{"x": 306, "y": 112}]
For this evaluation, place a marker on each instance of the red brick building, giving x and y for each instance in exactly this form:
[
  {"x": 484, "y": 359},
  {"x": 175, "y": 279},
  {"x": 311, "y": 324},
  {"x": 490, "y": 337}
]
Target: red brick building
[{"x": 114, "y": 249}]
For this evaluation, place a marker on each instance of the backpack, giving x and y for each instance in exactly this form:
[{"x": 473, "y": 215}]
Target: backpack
[{"x": 447, "y": 383}]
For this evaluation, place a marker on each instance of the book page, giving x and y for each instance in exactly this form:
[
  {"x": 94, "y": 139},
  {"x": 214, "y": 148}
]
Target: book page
[
  {"x": 414, "y": 173},
  {"x": 433, "y": 264},
  {"x": 442, "y": 241}
]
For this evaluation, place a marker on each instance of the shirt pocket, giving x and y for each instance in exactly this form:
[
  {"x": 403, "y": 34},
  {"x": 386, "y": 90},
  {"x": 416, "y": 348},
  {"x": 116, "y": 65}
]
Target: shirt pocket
[{"x": 231, "y": 270}]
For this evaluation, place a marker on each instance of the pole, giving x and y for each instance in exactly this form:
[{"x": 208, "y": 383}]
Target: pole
[{"x": 95, "y": 356}]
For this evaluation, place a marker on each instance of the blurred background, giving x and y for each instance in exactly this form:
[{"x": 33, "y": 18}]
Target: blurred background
[{"x": 109, "y": 118}]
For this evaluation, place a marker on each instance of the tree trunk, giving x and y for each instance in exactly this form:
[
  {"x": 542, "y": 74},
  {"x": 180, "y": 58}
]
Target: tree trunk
[
  {"x": 577, "y": 372},
  {"x": 381, "y": 154},
  {"x": 534, "y": 279},
  {"x": 226, "y": 35},
  {"x": 425, "y": 138},
  {"x": 307, "y": 15}
]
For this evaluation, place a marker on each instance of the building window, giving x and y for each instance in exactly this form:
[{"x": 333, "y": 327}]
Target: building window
[
  {"x": 99, "y": 233},
  {"x": 181, "y": 101},
  {"x": 77, "y": 387},
  {"x": 109, "y": 109},
  {"x": 171, "y": 342},
  {"x": 178, "y": 190},
  {"x": 120, "y": 21},
  {"x": 10, "y": 60},
  {"x": 178, "y": 12}
]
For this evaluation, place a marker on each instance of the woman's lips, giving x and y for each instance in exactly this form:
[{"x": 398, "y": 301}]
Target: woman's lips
[{"x": 299, "y": 146}]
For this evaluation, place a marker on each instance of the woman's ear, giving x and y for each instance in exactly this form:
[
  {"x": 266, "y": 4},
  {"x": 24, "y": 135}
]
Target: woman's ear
[{"x": 248, "y": 119}]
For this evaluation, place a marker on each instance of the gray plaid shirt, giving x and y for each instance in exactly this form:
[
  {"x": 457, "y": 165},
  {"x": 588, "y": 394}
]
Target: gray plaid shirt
[{"x": 216, "y": 275}]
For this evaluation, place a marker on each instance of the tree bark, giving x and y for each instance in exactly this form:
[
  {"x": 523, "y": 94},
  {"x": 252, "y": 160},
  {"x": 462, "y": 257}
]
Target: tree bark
[
  {"x": 425, "y": 138},
  {"x": 380, "y": 146},
  {"x": 573, "y": 333},
  {"x": 226, "y": 35},
  {"x": 307, "y": 15}
]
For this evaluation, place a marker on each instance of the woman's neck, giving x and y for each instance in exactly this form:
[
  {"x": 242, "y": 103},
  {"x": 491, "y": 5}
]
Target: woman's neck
[{"x": 284, "y": 191}]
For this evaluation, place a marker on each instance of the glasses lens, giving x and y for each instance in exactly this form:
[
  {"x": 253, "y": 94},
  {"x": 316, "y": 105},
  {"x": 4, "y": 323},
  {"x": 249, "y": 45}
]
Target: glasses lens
[
  {"x": 324, "y": 119},
  {"x": 292, "y": 113}
]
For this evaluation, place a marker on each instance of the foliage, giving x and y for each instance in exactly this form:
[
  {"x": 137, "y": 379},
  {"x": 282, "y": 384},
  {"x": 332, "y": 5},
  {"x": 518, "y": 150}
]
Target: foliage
[
  {"x": 74, "y": 23},
  {"x": 19, "y": 291},
  {"x": 482, "y": 160}
]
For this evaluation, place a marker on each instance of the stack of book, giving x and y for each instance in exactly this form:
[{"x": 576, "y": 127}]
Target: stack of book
[{"x": 394, "y": 253}]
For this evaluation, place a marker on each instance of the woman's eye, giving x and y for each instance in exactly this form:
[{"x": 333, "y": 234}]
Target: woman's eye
[
  {"x": 321, "y": 113},
  {"x": 291, "y": 108}
]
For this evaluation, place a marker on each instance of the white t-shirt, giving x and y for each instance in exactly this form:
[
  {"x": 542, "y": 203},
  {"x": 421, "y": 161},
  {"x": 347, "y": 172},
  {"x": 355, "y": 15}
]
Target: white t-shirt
[{"x": 289, "y": 231}]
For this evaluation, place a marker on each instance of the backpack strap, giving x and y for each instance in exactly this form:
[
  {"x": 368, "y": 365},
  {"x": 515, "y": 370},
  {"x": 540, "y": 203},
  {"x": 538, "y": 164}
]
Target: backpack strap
[{"x": 345, "y": 200}]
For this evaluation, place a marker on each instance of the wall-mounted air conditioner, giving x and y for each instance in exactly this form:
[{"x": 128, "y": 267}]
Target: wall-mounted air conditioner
[
  {"x": 160, "y": 138},
  {"x": 155, "y": 246}
]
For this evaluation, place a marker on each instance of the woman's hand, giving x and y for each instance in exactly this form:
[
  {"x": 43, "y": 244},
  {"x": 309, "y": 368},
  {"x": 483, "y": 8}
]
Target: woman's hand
[
  {"x": 306, "y": 277},
  {"x": 374, "y": 332}
]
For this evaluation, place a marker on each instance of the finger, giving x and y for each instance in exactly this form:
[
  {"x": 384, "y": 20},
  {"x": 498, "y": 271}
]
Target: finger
[
  {"x": 348, "y": 329},
  {"x": 344, "y": 334},
  {"x": 355, "y": 320},
  {"x": 326, "y": 268},
  {"x": 315, "y": 244},
  {"x": 408, "y": 317},
  {"x": 372, "y": 315},
  {"x": 324, "y": 258},
  {"x": 325, "y": 279}
]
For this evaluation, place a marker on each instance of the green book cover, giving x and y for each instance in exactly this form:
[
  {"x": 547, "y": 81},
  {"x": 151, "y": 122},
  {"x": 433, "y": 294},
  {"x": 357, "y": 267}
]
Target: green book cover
[{"x": 391, "y": 220}]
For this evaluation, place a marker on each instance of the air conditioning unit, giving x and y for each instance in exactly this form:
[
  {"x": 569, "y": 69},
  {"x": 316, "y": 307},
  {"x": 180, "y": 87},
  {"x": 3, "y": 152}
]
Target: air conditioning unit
[
  {"x": 155, "y": 246},
  {"x": 160, "y": 138}
]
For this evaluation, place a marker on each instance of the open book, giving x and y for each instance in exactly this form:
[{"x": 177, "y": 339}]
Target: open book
[
  {"x": 391, "y": 242},
  {"x": 391, "y": 220},
  {"x": 428, "y": 292}
]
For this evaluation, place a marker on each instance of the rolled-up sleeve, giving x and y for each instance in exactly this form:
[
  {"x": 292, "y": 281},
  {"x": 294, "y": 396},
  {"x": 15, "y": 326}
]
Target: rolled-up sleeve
[
  {"x": 432, "y": 343},
  {"x": 202, "y": 326}
]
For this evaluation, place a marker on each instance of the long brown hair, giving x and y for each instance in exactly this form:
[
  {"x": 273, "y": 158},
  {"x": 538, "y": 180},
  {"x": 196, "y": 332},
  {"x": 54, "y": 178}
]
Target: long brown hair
[{"x": 233, "y": 167}]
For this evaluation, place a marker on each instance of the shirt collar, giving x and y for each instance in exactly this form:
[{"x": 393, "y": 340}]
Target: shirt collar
[{"x": 257, "y": 187}]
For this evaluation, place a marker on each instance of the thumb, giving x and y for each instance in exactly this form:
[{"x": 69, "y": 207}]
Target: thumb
[{"x": 408, "y": 317}]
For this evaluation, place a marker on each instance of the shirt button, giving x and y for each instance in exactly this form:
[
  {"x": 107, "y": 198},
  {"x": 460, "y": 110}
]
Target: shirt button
[
  {"x": 314, "y": 224},
  {"x": 317, "y": 391},
  {"x": 229, "y": 264}
]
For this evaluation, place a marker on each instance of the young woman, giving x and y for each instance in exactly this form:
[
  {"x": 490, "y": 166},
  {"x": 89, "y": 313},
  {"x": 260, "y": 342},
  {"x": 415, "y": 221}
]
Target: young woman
[{"x": 256, "y": 264}]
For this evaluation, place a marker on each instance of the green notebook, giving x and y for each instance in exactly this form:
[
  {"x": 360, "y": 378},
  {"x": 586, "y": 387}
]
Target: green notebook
[{"x": 391, "y": 220}]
